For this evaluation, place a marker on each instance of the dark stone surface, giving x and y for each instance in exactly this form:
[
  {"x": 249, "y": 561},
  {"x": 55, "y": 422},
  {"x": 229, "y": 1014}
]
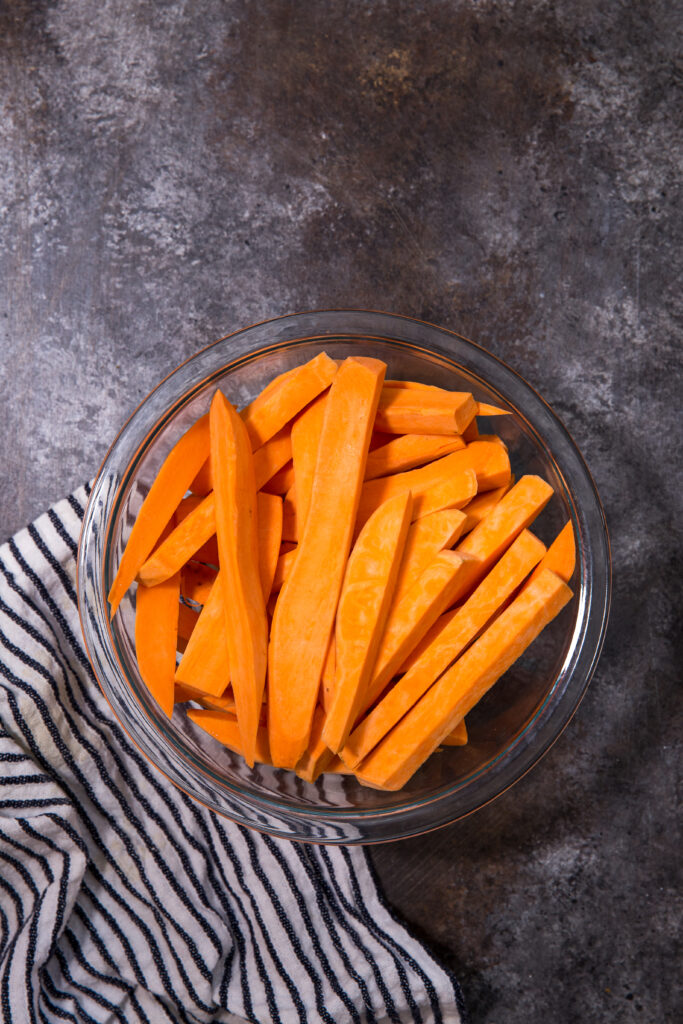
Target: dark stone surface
[{"x": 170, "y": 172}]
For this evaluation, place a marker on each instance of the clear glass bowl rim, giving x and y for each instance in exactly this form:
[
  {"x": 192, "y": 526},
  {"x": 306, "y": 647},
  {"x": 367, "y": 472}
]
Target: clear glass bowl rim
[{"x": 349, "y": 825}]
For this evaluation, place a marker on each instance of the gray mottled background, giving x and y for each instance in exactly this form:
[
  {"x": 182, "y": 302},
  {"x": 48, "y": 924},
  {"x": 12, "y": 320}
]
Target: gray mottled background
[{"x": 172, "y": 171}]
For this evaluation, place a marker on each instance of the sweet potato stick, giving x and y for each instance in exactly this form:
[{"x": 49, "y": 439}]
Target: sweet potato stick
[
  {"x": 560, "y": 556},
  {"x": 424, "y": 411},
  {"x": 419, "y": 733},
  {"x": 406, "y": 451},
  {"x": 460, "y": 630},
  {"x": 489, "y": 461},
  {"x": 410, "y": 619},
  {"x": 246, "y": 625},
  {"x": 282, "y": 481},
  {"x": 304, "y": 613},
  {"x": 483, "y": 409},
  {"x": 224, "y": 727},
  {"x": 181, "y": 544},
  {"x": 205, "y": 664},
  {"x": 286, "y": 396},
  {"x": 185, "y": 693},
  {"x": 426, "y": 538},
  {"x": 457, "y": 737},
  {"x": 363, "y": 607},
  {"x": 306, "y": 431},
  {"x": 170, "y": 484},
  {"x": 156, "y": 632},
  {"x": 317, "y": 755},
  {"x": 269, "y": 533},
  {"x": 481, "y": 505}
]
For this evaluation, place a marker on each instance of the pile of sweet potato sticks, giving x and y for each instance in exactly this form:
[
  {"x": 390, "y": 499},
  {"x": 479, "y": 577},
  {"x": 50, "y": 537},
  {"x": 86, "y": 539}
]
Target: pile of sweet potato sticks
[{"x": 330, "y": 579}]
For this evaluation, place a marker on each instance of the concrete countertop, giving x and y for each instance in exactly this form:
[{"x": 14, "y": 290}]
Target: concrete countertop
[{"x": 170, "y": 172}]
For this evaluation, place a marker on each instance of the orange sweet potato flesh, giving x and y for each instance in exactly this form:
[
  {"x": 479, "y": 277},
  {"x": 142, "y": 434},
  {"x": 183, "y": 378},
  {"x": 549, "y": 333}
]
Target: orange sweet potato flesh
[
  {"x": 406, "y": 451},
  {"x": 171, "y": 483},
  {"x": 459, "y": 630},
  {"x": 269, "y": 534},
  {"x": 286, "y": 396},
  {"x": 205, "y": 664},
  {"x": 268, "y": 460},
  {"x": 426, "y": 538},
  {"x": 224, "y": 727},
  {"x": 156, "y": 632},
  {"x": 318, "y": 755},
  {"x": 410, "y": 619},
  {"x": 514, "y": 512},
  {"x": 181, "y": 544},
  {"x": 223, "y": 703},
  {"x": 419, "y": 733},
  {"x": 306, "y": 431},
  {"x": 304, "y": 613},
  {"x": 489, "y": 461},
  {"x": 272, "y": 456},
  {"x": 424, "y": 411},
  {"x": 364, "y": 604},
  {"x": 187, "y": 620},
  {"x": 329, "y": 674},
  {"x": 483, "y": 409},
  {"x": 481, "y": 505},
  {"x": 282, "y": 481},
  {"x": 197, "y": 528},
  {"x": 290, "y": 530},
  {"x": 457, "y": 737},
  {"x": 283, "y": 569},
  {"x": 471, "y": 432},
  {"x": 196, "y": 580},
  {"x": 560, "y": 556},
  {"x": 202, "y": 483},
  {"x": 246, "y": 625}
]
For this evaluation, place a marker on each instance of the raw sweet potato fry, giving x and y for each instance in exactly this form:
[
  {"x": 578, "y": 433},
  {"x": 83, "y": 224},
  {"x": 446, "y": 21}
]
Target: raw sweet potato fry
[
  {"x": 223, "y": 703},
  {"x": 282, "y": 481},
  {"x": 306, "y": 431},
  {"x": 286, "y": 396},
  {"x": 318, "y": 755},
  {"x": 417, "y": 735},
  {"x": 480, "y": 506},
  {"x": 410, "y": 619},
  {"x": 483, "y": 409},
  {"x": 269, "y": 535},
  {"x": 457, "y": 737},
  {"x": 453, "y": 638},
  {"x": 489, "y": 461},
  {"x": 246, "y": 626},
  {"x": 406, "y": 451},
  {"x": 329, "y": 674},
  {"x": 426, "y": 538},
  {"x": 560, "y": 556},
  {"x": 181, "y": 544},
  {"x": 187, "y": 620},
  {"x": 424, "y": 411},
  {"x": 156, "y": 632},
  {"x": 196, "y": 580},
  {"x": 363, "y": 608},
  {"x": 205, "y": 664},
  {"x": 170, "y": 484},
  {"x": 224, "y": 727},
  {"x": 304, "y": 613}
]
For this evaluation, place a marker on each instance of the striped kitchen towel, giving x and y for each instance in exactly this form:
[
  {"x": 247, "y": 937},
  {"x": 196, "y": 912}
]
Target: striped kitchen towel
[{"x": 121, "y": 899}]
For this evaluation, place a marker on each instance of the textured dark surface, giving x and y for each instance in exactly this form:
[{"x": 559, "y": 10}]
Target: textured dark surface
[{"x": 170, "y": 172}]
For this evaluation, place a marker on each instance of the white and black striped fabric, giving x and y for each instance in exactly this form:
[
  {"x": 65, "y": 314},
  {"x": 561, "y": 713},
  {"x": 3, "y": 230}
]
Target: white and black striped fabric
[{"x": 121, "y": 899}]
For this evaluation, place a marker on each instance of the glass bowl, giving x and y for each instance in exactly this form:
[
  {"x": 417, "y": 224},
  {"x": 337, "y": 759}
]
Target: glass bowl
[{"x": 517, "y": 720}]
